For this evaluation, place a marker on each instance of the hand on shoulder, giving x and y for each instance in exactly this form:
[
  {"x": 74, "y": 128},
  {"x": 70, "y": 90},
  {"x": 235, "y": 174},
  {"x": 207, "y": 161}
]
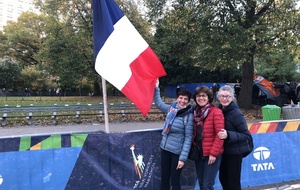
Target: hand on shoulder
[{"x": 157, "y": 83}]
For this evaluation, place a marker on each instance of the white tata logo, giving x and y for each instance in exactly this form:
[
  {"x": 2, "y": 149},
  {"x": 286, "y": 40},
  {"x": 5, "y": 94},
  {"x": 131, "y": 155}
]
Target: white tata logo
[
  {"x": 1, "y": 180},
  {"x": 262, "y": 154}
]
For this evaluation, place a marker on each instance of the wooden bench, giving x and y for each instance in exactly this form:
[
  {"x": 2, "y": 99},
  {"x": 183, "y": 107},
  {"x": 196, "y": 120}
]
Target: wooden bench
[{"x": 68, "y": 110}]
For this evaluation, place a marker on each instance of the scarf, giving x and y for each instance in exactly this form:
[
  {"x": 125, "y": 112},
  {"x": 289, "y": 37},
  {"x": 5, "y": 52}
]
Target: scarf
[
  {"x": 200, "y": 113},
  {"x": 174, "y": 111}
]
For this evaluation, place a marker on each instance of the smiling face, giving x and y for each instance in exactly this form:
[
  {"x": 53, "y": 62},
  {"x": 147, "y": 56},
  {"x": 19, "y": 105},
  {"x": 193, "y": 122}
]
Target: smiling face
[
  {"x": 183, "y": 98},
  {"x": 203, "y": 96},
  {"x": 202, "y": 99},
  {"x": 225, "y": 98},
  {"x": 183, "y": 101}
]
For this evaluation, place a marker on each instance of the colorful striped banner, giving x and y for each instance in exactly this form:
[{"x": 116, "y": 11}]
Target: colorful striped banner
[{"x": 274, "y": 126}]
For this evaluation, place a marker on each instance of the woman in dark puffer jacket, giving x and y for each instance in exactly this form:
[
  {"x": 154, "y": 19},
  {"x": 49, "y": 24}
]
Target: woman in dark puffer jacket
[{"x": 235, "y": 135}]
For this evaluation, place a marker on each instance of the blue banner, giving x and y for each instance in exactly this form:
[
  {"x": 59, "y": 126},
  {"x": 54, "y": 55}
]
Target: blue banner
[
  {"x": 128, "y": 161},
  {"x": 275, "y": 159}
]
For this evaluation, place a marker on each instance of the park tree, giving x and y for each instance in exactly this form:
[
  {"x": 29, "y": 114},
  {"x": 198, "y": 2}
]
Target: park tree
[
  {"x": 69, "y": 47},
  {"x": 9, "y": 73},
  {"x": 3, "y": 41},
  {"x": 245, "y": 30},
  {"x": 226, "y": 34},
  {"x": 63, "y": 55},
  {"x": 67, "y": 53},
  {"x": 279, "y": 67},
  {"x": 24, "y": 38},
  {"x": 34, "y": 78},
  {"x": 176, "y": 45},
  {"x": 22, "y": 41},
  {"x": 31, "y": 36}
]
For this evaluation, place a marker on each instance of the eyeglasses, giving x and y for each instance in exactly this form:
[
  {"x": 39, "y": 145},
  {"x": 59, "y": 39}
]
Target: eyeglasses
[
  {"x": 224, "y": 97},
  {"x": 201, "y": 96}
]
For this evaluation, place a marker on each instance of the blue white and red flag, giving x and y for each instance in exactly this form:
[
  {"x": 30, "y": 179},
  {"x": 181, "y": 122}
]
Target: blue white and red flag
[{"x": 122, "y": 56}]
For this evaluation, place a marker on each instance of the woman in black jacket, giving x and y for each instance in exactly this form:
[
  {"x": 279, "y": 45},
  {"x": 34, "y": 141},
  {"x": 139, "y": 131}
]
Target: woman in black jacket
[{"x": 236, "y": 136}]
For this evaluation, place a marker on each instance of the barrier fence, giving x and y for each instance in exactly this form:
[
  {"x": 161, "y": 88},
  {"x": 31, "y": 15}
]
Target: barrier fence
[{"x": 132, "y": 160}]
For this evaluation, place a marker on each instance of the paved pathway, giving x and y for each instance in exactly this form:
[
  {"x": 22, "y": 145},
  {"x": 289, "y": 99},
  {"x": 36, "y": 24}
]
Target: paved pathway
[{"x": 76, "y": 128}]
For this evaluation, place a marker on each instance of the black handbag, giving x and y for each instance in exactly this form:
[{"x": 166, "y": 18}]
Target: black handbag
[
  {"x": 194, "y": 153},
  {"x": 250, "y": 145}
]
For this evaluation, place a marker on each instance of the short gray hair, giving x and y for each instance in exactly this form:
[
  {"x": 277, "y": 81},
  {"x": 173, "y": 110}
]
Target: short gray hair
[{"x": 228, "y": 89}]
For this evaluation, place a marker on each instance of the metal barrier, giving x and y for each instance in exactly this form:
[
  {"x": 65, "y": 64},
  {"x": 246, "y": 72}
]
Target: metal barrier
[{"x": 68, "y": 110}]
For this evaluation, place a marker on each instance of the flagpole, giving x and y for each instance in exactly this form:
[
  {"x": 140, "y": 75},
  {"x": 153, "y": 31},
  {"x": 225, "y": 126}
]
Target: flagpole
[{"x": 106, "y": 121}]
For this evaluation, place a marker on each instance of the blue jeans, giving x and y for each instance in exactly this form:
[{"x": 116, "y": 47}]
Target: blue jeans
[{"x": 206, "y": 174}]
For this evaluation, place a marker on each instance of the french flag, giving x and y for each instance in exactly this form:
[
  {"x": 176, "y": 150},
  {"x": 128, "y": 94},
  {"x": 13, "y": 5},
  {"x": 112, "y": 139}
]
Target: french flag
[{"x": 122, "y": 56}]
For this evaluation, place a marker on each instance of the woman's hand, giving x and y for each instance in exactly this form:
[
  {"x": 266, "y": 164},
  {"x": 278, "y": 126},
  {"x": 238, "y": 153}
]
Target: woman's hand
[
  {"x": 157, "y": 83},
  {"x": 180, "y": 165},
  {"x": 222, "y": 134},
  {"x": 211, "y": 160}
]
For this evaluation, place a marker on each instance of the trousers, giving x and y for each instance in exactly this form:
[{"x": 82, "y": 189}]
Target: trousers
[
  {"x": 206, "y": 174},
  {"x": 170, "y": 176},
  {"x": 230, "y": 172}
]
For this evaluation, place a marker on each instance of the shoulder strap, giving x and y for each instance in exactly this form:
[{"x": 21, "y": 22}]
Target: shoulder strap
[{"x": 185, "y": 119}]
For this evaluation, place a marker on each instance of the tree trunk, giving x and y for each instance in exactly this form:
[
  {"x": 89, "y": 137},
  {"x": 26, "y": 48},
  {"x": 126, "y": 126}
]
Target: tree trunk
[
  {"x": 97, "y": 89},
  {"x": 245, "y": 97}
]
